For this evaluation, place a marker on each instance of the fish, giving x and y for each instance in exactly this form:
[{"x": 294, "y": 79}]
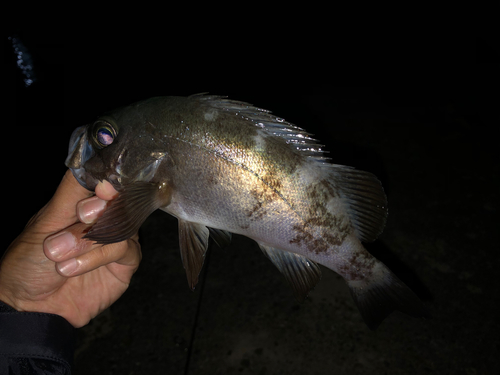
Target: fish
[{"x": 222, "y": 166}]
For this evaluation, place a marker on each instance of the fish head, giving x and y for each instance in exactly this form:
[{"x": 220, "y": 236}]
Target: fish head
[{"x": 120, "y": 147}]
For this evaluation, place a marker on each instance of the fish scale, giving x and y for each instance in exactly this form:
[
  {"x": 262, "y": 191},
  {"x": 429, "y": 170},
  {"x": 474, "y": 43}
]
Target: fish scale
[{"x": 222, "y": 166}]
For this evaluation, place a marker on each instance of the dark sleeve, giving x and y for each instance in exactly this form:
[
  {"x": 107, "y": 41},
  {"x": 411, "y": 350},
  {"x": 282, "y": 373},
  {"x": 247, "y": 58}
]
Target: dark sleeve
[{"x": 35, "y": 343}]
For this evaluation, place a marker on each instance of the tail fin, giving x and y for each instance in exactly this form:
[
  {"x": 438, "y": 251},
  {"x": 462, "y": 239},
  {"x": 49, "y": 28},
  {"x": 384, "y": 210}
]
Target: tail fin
[{"x": 377, "y": 297}]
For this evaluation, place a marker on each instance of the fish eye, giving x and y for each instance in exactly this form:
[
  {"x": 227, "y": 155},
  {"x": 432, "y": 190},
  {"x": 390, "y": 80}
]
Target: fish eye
[{"x": 104, "y": 134}]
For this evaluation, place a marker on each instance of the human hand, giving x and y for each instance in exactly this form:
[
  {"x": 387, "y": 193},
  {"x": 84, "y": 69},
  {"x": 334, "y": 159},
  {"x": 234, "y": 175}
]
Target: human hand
[{"x": 49, "y": 267}]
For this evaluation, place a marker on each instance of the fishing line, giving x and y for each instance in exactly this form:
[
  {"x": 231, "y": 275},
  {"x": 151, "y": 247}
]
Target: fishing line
[{"x": 197, "y": 313}]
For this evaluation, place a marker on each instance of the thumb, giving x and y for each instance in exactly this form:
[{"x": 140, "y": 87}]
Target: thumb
[{"x": 60, "y": 211}]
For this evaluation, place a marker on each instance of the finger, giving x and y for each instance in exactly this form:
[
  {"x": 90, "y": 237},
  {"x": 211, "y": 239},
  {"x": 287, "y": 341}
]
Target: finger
[
  {"x": 105, "y": 190},
  {"x": 88, "y": 210},
  {"x": 125, "y": 253},
  {"x": 67, "y": 243},
  {"x": 74, "y": 255}
]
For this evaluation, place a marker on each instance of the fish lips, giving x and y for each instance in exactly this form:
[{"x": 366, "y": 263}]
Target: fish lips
[{"x": 80, "y": 150}]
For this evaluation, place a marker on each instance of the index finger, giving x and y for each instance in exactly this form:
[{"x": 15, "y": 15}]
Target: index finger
[{"x": 105, "y": 190}]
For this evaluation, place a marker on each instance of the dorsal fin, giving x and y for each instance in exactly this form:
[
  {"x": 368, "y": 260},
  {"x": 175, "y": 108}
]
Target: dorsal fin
[
  {"x": 296, "y": 137},
  {"x": 365, "y": 200}
]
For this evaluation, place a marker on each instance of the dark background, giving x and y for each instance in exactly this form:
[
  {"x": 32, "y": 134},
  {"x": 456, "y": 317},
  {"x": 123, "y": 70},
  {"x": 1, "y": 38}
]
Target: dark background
[{"x": 433, "y": 146}]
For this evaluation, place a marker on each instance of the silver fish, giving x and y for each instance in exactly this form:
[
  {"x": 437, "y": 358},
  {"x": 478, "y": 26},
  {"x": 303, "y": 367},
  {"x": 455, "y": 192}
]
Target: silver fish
[{"x": 222, "y": 166}]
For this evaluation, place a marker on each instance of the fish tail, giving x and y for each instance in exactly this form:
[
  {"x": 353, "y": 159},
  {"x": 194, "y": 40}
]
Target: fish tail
[{"x": 382, "y": 293}]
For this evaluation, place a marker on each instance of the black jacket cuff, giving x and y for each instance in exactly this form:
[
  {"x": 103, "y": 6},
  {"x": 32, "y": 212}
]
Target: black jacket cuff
[{"x": 36, "y": 342}]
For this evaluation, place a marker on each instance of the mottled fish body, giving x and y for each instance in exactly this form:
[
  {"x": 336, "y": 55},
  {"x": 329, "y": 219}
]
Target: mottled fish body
[{"x": 222, "y": 166}]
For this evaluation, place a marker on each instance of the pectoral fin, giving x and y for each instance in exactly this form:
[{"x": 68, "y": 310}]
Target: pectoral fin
[
  {"x": 193, "y": 242},
  {"x": 125, "y": 214},
  {"x": 301, "y": 273}
]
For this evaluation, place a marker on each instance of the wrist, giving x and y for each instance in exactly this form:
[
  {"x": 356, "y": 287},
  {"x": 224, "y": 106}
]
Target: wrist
[
  {"x": 7, "y": 299},
  {"x": 6, "y": 308}
]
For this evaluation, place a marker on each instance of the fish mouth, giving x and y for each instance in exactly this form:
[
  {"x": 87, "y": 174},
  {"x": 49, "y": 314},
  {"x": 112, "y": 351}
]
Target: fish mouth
[{"x": 79, "y": 151}]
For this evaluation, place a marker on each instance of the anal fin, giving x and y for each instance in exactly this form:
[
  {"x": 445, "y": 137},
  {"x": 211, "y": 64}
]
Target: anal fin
[
  {"x": 193, "y": 242},
  {"x": 301, "y": 273}
]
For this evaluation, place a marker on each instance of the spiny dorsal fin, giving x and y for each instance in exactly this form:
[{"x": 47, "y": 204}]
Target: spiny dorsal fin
[
  {"x": 365, "y": 200},
  {"x": 301, "y": 273},
  {"x": 193, "y": 242},
  {"x": 296, "y": 137}
]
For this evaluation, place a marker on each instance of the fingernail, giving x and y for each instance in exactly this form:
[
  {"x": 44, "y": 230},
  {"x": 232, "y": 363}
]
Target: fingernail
[
  {"x": 68, "y": 266},
  {"x": 60, "y": 244},
  {"x": 89, "y": 209}
]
